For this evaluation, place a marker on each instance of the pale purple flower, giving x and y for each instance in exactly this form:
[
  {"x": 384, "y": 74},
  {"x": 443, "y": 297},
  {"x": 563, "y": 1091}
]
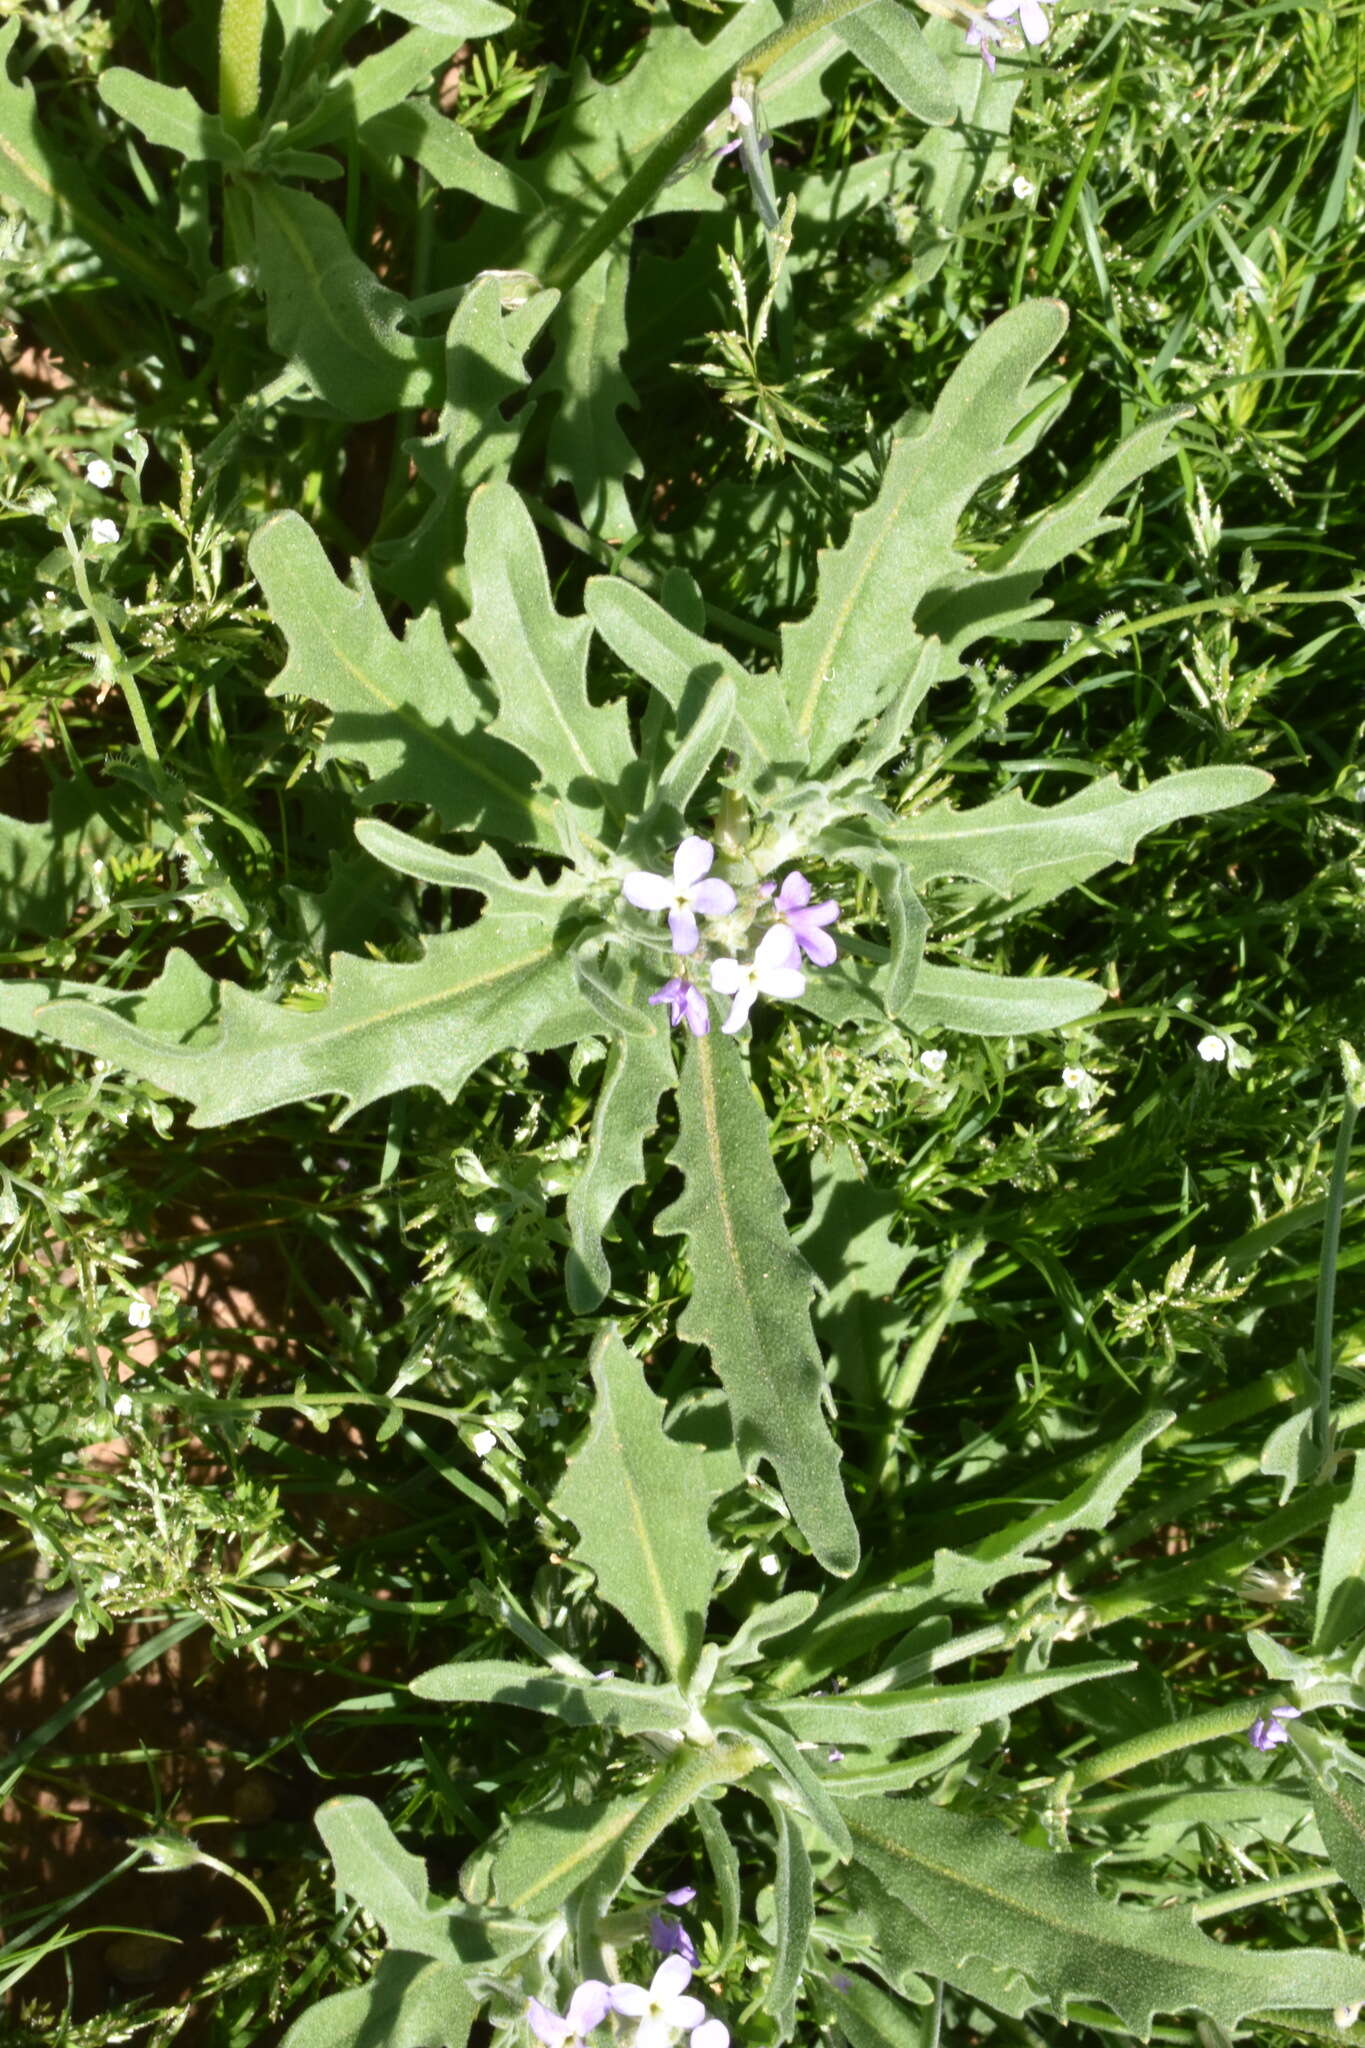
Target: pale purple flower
[
  {"x": 771, "y": 972},
  {"x": 685, "y": 895},
  {"x": 683, "y": 1895},
  {"x": 665, "y": 2009},
  {"x": 804, "y": 919},
  {"x": 686, "y": 1004},
  {"x": 1032, "y": 20},
  {"x": 588, "y": 2007},
  {"x": 1267, "y": 1730},
  {"x": 668, "y": 1937}
]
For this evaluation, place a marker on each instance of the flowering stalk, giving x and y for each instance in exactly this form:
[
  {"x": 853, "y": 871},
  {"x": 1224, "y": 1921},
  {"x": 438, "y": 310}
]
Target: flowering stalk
[{"x": 241, "y": 26}]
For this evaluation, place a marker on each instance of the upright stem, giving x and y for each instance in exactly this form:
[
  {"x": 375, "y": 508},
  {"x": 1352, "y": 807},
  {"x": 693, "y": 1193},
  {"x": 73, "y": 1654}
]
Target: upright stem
[
  {"x": 634, "y": 196},
  {"x": 241, "y": 27},
  {"x": 680, "y": 1783},
  {"x": 1331, "y": 1246}
]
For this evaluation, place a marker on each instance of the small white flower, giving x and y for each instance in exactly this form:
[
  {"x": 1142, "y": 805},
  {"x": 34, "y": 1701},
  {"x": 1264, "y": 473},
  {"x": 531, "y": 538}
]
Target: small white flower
[
  {"x": 665, "y": 2009},
  {"x": 934, "y": 1061},
  {"x": 741, "y": 113},
  {"x": 103, "y": 532},
  {"x": 482, "y": 1442},
  {"x": 1212, "y": 1047},
  {"x": 771, "y": 972},
  {"x": 1345, "y": 2016},
  {"x": 769, "y": 1565},
  {"x": 140, "y": 1315},
  {"x": 1022, "y": 188},
  {"x": 486, "y": 1222},
  {"x": 98, "y": 473},
  {"x": 123, "y": 1406}
]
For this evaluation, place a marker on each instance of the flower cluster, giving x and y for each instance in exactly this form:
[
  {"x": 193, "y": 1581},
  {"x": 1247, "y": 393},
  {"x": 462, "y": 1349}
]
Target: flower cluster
[
  {"x": 1268, "y": 1731},
  {"x": 661, "y": 2012},
  {"x": 797, "y": 931}
]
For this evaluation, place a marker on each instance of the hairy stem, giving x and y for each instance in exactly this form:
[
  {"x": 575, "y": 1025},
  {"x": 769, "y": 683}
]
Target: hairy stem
[
  {"x": 241, "y": 26},
  {"x": 808, "y": 19}
]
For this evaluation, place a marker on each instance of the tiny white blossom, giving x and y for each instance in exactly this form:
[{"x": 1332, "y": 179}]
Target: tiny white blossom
[
  {"x": 1022, "y": 188},
  {"x": 1212, "y": 1047},
  {"x": 123, "y": 1405},
  {"x": 98, "y": 473},
  {"x": 140, "y": 1315},
  {"x": 934, "y": 1061},
  {"x": 103, "y": 532},
  {"x": 482, "y": 1442},
  {"x": 486, "y": 1222},
  {"x": 769, "y": 1565}
]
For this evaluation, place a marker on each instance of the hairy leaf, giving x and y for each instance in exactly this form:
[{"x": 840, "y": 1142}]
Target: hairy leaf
[
  {"x": 886, "y": 38},
  {"x": 403, "y": 709},
  {"x": 638, "y": 1070},
  {"x": 490, "y": 332},
  {"x": 407, "y": 2003},
  {"x": 996, "y": 1005},
  {"x": 849, "y": 1241},
  {"x": 869, "y": 2017},
  {"x": 931, "y": 1709},
  {"x": 587, "y": 445},
  {"x": 597, "y": 1702},
  {"x": 483, "y": 871},
  {"x": 1339, "y": 1803},
  {"x": 843, "y": 661},
  {"x": 375, "y": 1870},
  {"x": 640, "y": 1502},
  {"x": 1031, "y": 852},
  {"x": 169, "y": 116},
  {"x": 425, "y": 1023},
  {"x": 751, "y": 1294},
  {"x": 447, "y": 152},
  {"x": 985, "y": 1894},
  {"x": 794, "y": 1911},
  {"x": 455, "y": 20},
  {"x": 538, "y": 663},
  {"x": 547, "y": 1856},
  {"x": 328, "y": 314},
  {"x": 1339, "y": 1615},
  {"x": 676, "y": 662}
]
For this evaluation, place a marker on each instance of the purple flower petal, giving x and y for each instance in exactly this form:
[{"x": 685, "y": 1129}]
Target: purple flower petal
[
  {"x": 816, "y": 944},
  {"x": 683, "y": 926},
  {"x": 794, "y": 894},
  {"x": 588, "y": 2007},
  {"x": 670, "y": 1938},
  {"x": 683, "y": 1896},
  {"x": 695, "y": 1012},
  {"x": 713, "y": 899},
  {"x": 776, "y": 948},
  {"x": 547, "y": 2026},
  {"x": 692, "y": 860},
  {"x": 646, "y": 891}
]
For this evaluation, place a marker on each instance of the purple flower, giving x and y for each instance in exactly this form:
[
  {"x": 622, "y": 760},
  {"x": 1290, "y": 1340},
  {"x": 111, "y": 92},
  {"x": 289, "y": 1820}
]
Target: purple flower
[
  {"x": 804, "y": 919},
  {"x": 682, "y": 1896},
  {"x": 686, "y": 1004},
  {"x": 669, "y": 1937},
  {"x": 588, "y": 2007},
  {"x": 686, "y": 896},
  {"x": 771, "y": 972},
  {"x": 1267, "y": 1731}
]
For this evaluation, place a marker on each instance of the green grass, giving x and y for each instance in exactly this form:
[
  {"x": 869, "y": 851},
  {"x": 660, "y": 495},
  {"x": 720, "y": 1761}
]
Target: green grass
[{"x": 299, "y": 1491}]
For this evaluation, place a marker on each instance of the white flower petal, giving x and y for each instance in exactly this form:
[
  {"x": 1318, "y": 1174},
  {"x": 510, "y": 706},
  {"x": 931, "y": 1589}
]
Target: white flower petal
[
  {"x": 726, "y": 976},
  {"x": 686, "y": 2012},
  {"x": 692, "y": 860},
  {"x": 711, "y": 2034},
  {"x": 630, "y": 2000},
  {"x": 777, "y": 948},
  {"x": 739, "y": 1010},
  {"x": 673, "y": 1975},
  {"x": 648, "y": 892},
  {"x": 783, "y": 983},
  {"x": 1034, "y": 22}
]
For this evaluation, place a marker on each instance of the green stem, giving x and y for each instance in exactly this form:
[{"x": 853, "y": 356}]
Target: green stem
[
  {"x": 1218, "y": 1562},
  {"x": 241, "y": 27},
  {"x": 634, "y": 196},
  {"x": 119, "y": 671},
  {"x": 680, "y": 1783},
  {"x": 1264, "y": 1894},
  {"x": 1327, "y": 1277},
  {"x": 1219, "y": 1722}
]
